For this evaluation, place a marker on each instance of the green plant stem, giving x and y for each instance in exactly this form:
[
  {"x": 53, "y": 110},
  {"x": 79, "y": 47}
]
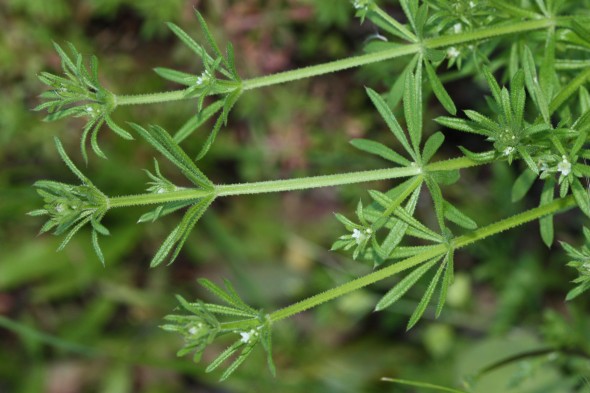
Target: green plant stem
[
  {"x": 155, "y": 199},
  {"x": 436, "y": 251},
  {"x": 187, "y": 194},
  {"x": 315, "y": 181},
  {"x": 355, "y": 61}
]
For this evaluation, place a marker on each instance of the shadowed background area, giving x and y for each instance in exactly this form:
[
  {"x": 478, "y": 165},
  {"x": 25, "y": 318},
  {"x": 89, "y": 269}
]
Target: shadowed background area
[{"x": 70, "y": 325}]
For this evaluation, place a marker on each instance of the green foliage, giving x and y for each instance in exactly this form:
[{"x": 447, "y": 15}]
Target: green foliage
[
  {"x": 201, "y": 327},
  {"x": 71, "y": 207},
  {"x": 539, "y": 122},
  {"x": 581, "y": 262},
  {"x": 79, "y": 94}
]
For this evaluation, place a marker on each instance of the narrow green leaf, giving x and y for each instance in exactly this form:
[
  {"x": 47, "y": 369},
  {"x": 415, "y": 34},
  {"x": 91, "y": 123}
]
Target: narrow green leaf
[
  {"x": 439, "y": 90},
  {"x": 582, "y": 31},
  {"x": 398, "y": 230},
  {"x": 517, "y": 94},
  {"x": 413, "y": 107},
  {"x": 455, "y": 215},
  {"x": 266, "y": 340},
  {"x": 163, "y": 210},
  {"x": 229, "y": 371},
  {"x": 419, "y": 311},
  {"x": 179, "y": 235},
  {"x": 380, "y": 150},
  {"x": 459, "y": 124},
  {"x": 179, "y": 77},
  {"x": 189, "y": 42},
  {"x": 532, "y": 83},
  {"x": 527, "y": 159},
  {"x": 446, "y": 281},
  {"x": 209, "y": 36},
  {"x": 228, "y": 104},
  {"x": 396, "y": 92},
  {"x": 219, "y": 292},
  {"x": 433, "y": 143},
  {"x": 547, "y": 75},
  {"x": 69, "y": 163},
  {"x": 225, "y": 310},
  {"x": 117, "y": 129},
  {"x": 492, "y": 83},
  {"x": 210, "y": 139},
  {"x": 483, "y": 121},
  {"x": 523, "y": 184},
  {"x": 438, "y": 200},
  {"x": 94, "y": 139},
  {"x": 163, "y": 142},
  {"x": 390, "y": 120},
  {"x": 197, "y": 120},
  {"x": 96, "y": 247},
  {"x": 224, "y": 355},
  {"x": 400, "y": 289},
  {"x": 581, "y": 195},
  {"x": 546, "y": 222}
]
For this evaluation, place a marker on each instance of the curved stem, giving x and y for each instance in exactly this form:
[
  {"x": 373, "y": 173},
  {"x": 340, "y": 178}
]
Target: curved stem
[{"x": 436, "y": 251}]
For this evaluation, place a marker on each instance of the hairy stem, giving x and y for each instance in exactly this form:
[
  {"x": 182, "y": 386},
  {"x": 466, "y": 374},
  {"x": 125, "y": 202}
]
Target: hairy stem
[
  {"x": 187, "y": 194},
  {"x": 315, "y": 181},
  {"x": 355, "y": 61},
  {"x": 436, "y": 251}
]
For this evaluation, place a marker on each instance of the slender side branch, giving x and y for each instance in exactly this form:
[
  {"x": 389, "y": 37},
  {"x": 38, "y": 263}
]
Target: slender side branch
[
  {"x": 187, "y": 194},
  {"x": 439, "y": 250},
  {"x": 356, "y": 61}
]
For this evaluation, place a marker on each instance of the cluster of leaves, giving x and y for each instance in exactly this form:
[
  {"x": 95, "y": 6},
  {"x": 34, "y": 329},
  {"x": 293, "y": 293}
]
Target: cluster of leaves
[
  {"x": 219, "y": 77},
  {"x": 202, "y": 326},
  {"x": 581, "y": 262},
  {"x": 554, "y": 154},
  {"x": 79, "y": 94},
  {"x": 71, "y": 207},
  {"x": 388, "y": 213},
  {"x": 161, "y": 140}
]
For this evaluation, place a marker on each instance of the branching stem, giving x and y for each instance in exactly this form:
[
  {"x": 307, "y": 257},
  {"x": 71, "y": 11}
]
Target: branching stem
[
  {"x": 356, "y": 61},
  {"x": 436, "y": 251},
  {"x": 187, "y": 194}
]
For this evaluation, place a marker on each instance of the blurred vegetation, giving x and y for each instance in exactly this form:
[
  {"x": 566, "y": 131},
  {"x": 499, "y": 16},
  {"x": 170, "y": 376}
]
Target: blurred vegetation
[{"x": 70, "y": 325}]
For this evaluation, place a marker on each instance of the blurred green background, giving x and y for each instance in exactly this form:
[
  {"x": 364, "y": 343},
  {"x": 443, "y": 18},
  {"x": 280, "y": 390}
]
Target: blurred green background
[{"x": 67, "y": 324}]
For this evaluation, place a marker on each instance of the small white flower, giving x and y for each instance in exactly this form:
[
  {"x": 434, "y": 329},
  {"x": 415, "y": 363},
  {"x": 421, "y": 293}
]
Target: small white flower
[
  {"x": 565, "y": 167},
  {"x": 246, "y": 336},
  {"x": 457, "y": 28},
  {"x": 453, "y": 52},
  {"x": 471, "y": 4},
  {"x": 361, "y": 236},
  {"x": 194, "y": 330},
  {"x": 204, "y": 78},
  {"x": 59, "y": 208},
  {"x": 508, "y": 150},
  {"x": 358, "y": 236}
]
